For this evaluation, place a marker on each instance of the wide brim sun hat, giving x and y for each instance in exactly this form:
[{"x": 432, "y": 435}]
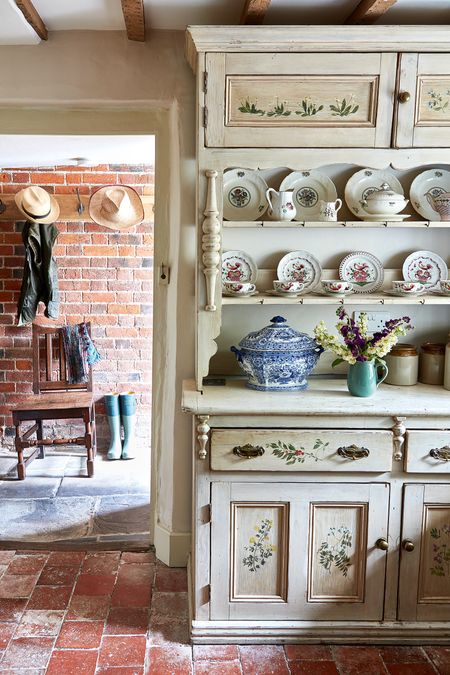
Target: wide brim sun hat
[
  {"x": 116, "y": 206},
  {"x": 37, "y": 205}
]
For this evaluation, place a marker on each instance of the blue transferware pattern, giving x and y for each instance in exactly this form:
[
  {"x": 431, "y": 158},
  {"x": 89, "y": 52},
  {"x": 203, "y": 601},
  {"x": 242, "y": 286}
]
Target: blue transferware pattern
[{"x": 278, "y": 357}]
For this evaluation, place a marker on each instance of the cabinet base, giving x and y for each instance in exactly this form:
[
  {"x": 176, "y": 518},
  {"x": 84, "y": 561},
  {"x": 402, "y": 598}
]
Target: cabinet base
[{"x": 284, "y": 632}]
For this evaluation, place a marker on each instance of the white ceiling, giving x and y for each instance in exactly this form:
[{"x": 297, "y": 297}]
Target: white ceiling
[
  {"x": 177, "y": 14},
  {"x": 24, "y": 151}
]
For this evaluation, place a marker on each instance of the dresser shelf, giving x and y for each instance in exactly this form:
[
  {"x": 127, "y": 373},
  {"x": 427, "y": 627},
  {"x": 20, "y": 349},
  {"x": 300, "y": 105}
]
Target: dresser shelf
[
  {"x": 355, "y": 299},
  {"x": 294, "y": 224}
]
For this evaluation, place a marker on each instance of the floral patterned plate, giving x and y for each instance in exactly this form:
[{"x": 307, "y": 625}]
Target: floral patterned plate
[
  {"x": 300, "y": 266},
  {"x": 244, "y": 195},
  {"x": 432, "y": 182},
  {"x": 238, "y": 266},
  {"x": 364, "y": 270},
  {"x": 363, "y": 183},
  {"x": 309, "y": 187},
  {"x": 426, "y": 267}
]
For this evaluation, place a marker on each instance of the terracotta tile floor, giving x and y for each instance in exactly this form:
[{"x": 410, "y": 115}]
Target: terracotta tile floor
[{"x": 76, "y": 613}]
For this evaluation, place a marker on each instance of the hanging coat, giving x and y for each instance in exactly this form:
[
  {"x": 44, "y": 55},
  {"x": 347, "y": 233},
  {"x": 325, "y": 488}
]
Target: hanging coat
[{"x": 40, "y": 274}]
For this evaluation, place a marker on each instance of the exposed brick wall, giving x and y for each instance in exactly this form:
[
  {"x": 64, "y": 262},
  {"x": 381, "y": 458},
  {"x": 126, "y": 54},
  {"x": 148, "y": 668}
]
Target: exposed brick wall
[{"x": 105, "y": 276}]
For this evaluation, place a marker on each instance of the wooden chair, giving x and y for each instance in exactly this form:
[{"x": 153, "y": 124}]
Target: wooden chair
[{"x": 54, "y": 399}]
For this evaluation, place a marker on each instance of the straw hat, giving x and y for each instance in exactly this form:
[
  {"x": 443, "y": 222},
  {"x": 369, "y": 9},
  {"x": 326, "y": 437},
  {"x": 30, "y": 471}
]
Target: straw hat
[
  {"x": 37, "y": 205},
  {"x": 116, "y": 206}
]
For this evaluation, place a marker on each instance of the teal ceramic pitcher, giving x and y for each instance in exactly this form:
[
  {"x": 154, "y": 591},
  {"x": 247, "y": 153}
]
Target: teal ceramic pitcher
[{"x": 364, "y": 377}]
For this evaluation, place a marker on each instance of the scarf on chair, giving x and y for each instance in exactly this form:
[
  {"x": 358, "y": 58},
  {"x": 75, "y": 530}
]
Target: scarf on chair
[{"x": 80, "y": 352}]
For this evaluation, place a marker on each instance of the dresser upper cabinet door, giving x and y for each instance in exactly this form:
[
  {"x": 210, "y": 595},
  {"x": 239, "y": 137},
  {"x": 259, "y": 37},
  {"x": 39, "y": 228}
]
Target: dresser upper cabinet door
[
  {"x": 307, "y": 100},
  {"x": 423, "y": 101}
]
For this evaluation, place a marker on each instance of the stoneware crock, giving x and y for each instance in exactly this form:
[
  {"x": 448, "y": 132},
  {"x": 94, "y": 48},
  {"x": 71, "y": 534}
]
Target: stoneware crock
[{"x": 278, "y": 357}]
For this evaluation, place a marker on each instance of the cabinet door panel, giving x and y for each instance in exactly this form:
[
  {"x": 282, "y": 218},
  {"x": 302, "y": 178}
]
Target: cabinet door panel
[
  {"x": 297, "y": 551},
  {"x": 424, "y": 120},
  {"x": 427, "y": 567},
  {"x": 288, "y": 100}
]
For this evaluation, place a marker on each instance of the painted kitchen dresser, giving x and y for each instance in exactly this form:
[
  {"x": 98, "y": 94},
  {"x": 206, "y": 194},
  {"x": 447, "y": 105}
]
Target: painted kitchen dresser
[{"x": 317, "y": 516}]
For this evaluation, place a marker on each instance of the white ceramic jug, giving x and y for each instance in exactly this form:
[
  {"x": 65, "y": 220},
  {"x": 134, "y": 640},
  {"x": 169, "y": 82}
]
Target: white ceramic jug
[
  {"x": 328, "y": 210},
  {"x": 281, "y": 206}
]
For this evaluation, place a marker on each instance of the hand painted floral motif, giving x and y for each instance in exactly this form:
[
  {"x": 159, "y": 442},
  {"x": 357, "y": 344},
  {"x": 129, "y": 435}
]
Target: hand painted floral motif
[
  {"x": 300, "y": 272},
  {"x": 292, "y": 455},
  {"x": 360, "y": 273},
  {"x": 279, "y": 110},
  {"x": 239, "y": 197},
  {"x": 233, "y": 271},
  {"x": 344, "y": 108},
  {"x": 441, "y": 551},
  {"x": 250, "y": 108},
  {"x": 307, "y": 197},
  {"x": 437, "y": 102},
  {"x": 308, "y": 108},
  {"x": 334, "y": 551},
  {"x": 259, "y": 549}
]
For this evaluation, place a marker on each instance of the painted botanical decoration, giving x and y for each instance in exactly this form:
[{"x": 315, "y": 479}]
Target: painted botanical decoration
[
  {"x": 292, "y": 455},
  {"x": 334, "y": 551},
  {"x": 438, "y": 102},
  {"x": 307, "y": 197},
  {"x": 441, "y": 551},
  {"x": 239, "y": 197},
  {"x": 344, "y": 107},
  {"x": 308, "y": 108},
  {"x": 260, "y": 548}
]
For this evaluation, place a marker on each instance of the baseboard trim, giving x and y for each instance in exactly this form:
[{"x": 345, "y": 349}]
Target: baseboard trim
[{"x": 172, "y": 547}]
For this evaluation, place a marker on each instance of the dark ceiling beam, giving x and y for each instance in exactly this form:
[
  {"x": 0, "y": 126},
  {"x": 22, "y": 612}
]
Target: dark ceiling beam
[
  {"x": 368, "y": 11},
  {"x": 32, "y": 17},
  {"x": 254, "y": 11},
  {"x": 133, "y": 13}
]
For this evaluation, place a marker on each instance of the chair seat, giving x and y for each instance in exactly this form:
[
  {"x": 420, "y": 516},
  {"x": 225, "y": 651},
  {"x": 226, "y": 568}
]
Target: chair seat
[{"x": 74, "y": 400}]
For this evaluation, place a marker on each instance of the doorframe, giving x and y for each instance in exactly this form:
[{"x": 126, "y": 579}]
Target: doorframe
[{"x": 160, "y": 121}]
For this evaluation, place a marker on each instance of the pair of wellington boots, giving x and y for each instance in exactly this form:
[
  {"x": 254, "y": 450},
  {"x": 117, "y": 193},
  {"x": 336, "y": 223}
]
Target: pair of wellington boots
[{"x": 121, "y": 410}]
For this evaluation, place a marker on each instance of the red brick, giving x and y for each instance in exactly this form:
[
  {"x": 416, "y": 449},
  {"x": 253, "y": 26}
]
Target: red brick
[
  {"x": 73, "y": 662},
  {"x": 41, "y": 178},
  {"x": 57, "y": 575},
  {"x": 95, "y": 584},
  {"x": 171, "y": 580},
  {"x": 99, "y": 178},
  {"x": 440, "y": 656},
  {"x": 122, "y": 651},
  {"x": 263, "y": 660},
  {"x": 18, "y": 177},
  {"x": 40, "y": 623},
  {"x": 123, "y": 309},
  {"x": 17, "y": 585},
  {"x": 316, "y": 668},
  {"x": 50, "y": 597},
  {"x": 217, "y": 668},
  {"x": 28, "y": 652},
  {"x": 11, "y": 609},
  {"x": 352, "y": 659},
  {"x": 27, "y": 564},
  {"x": 70, "y": 558},
  {"x": 130, "y": 595},
  {"x": 127, "y": 621},
  {"x": 170, "y": 659},
  {"x": 120, "y": 671},
  {"x": 101, "y": 563},
  {"x": 88, "y": 607},
  {"x": 215, "y": 653},
  {"x": 80, "y": 635},
  {"x": 404, "y": 654},
  {"x": 6, "y": 633}
]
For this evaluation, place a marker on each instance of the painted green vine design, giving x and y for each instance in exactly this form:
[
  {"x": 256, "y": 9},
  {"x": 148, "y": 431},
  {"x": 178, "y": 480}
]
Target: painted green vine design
[
  {"x": 307, "y": 108},
  {"x": 259, "y": 549},
  {"x": 441, "y": 551},
  {"x": 292, "y": 455},
  {"x": 333, "y": 551}
]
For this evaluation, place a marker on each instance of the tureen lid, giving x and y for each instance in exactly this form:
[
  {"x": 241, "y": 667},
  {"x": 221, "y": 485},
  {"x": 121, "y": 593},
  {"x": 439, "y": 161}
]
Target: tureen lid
[
  {"x": 278, "y": 337},
  {"x": 385, "y": 192}
]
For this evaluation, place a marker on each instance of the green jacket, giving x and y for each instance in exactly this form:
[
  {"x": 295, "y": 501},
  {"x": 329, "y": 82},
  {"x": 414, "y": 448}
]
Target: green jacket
[{"x": 40, "y": 274}]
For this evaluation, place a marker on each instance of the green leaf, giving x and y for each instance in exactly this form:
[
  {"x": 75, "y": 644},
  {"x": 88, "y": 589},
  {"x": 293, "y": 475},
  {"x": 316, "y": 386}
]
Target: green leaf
[{"x": 336, "y": 362}]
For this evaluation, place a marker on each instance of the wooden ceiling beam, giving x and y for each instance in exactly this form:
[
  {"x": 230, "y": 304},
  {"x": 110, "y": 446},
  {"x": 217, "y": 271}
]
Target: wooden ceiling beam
[
  {"x": 368, "y": 11},
  {"x": 254, "y": 11},
  {"x": 33, "y": 18},
  {"x": 133, "y": 13}
]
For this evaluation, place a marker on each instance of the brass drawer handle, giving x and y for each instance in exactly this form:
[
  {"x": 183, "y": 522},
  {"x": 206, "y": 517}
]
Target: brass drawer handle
[
  {"x": 382, "y": 544},
  {"x": 248, "y": 451},
  {"x": 408, "y": 545},
  {"x": 353, "y": 452},
  {"x": 404, "y": 97},
  {"x": 442, "y": 454}
]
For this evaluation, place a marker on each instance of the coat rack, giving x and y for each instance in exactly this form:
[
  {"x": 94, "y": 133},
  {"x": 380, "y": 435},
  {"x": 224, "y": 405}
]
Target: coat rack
[{"x": 68, "y": 205}]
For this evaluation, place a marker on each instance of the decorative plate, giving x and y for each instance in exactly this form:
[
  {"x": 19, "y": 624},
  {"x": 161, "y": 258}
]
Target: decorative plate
[
  {"x": 383, "y": 218},
  {"x": 433, "y": 182},
  {"x": 244, "y": 195},
  {"x": 300, "y": 266},
  {"x": 426, "y": 267},
  {"x": 362, "y": 184},
  {"x": 238, "y": 266},
  {"x": 399, "y": 294},
  {"x": 309, "y": 187},
  {"x": 364, "y": 270}
]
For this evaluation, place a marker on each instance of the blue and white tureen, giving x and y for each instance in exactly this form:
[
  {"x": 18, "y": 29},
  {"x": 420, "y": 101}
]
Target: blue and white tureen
[{"x": 278, "y": 357}]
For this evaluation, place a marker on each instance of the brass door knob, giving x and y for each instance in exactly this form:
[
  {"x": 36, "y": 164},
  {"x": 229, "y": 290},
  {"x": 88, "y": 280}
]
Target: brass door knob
[
  {"x": 407, "y": 545},
  {"x": 404, "y": 97},
  {"x": 382, "y": 544}
]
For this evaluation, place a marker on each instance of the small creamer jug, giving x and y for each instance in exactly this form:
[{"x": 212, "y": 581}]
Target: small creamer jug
[{"x": 281, "y": 206}]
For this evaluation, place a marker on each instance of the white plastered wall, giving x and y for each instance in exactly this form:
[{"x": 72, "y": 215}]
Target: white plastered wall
[{"x": 99, "y": 82}]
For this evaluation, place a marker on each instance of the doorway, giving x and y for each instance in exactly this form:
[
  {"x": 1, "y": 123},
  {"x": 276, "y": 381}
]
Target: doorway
[{"x": 105, "y": 276}]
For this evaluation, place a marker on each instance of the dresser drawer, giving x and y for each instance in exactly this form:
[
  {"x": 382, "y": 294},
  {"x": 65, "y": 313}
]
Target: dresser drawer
[
  {"x": 428, "y": 452},
  {"x": 300, "y": 450}
]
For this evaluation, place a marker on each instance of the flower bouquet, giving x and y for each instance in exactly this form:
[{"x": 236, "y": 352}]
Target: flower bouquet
[{"x": 362, "y": 350}]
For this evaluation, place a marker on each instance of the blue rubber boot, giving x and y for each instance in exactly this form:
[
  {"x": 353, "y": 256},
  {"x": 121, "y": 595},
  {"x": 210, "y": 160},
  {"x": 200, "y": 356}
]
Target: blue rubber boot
[
  {"x": 113, "y": 414},
  {"x": 128, "y": 414}
]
